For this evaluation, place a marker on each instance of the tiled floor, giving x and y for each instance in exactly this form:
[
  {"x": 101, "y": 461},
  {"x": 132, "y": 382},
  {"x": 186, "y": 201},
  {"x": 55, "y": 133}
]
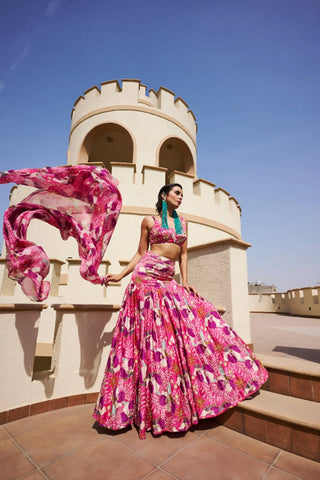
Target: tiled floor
[{"x": 63, "y": 445}]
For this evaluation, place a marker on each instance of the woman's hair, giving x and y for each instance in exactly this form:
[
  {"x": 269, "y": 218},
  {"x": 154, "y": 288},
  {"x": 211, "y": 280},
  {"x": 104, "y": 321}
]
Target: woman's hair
[{"x": 165, "y": 189}]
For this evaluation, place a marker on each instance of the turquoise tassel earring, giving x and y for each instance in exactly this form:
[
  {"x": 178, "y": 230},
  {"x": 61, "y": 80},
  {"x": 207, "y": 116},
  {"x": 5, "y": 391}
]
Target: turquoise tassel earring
[
  {"x": 164, "y": 219},
  {"x": 164, "y": 214},
  {"x": 177, "y": 224}
]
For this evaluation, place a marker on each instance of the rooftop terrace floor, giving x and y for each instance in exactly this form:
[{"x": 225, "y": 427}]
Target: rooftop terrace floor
[
  {"x": 63, "y": 444},
  {"x": 286, "y": 336}
]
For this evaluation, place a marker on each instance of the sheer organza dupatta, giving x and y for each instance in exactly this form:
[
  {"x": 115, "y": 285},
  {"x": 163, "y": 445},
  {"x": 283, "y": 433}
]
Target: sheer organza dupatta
[{"x": 82, "y": 201}]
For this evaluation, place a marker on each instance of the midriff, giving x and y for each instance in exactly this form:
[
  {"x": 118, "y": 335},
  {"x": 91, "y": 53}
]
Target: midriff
[{"x": 169, "y": 250}]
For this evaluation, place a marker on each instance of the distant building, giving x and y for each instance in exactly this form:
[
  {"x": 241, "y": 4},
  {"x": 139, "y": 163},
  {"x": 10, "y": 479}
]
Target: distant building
[{"x": 260, "y": 287}]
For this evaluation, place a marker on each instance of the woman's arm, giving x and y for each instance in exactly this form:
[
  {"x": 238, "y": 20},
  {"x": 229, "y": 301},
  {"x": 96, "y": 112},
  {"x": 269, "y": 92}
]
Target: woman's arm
[
  {"x": 183, "y": 260},
  {"x": 183, "y": 264},
  {"x": 142, "y": 248}
]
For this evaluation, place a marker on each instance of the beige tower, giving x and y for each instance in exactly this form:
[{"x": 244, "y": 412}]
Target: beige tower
[{"x": 146, "y": 139}]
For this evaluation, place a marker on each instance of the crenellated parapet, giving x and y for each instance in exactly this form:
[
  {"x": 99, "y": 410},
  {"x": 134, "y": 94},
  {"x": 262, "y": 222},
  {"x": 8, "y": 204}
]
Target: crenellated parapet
[
  {"x": 298, "y": 301},
  {"x": 133, "y": 95},
  {"x": 203, "y": 202},
  {"x": 129, "y": 124}
]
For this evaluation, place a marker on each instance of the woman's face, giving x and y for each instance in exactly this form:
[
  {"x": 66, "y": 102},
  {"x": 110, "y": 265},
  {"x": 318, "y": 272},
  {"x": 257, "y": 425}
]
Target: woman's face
[{"x": 174, "y": 197}]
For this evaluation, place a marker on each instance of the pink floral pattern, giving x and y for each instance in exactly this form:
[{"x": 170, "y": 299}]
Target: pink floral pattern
[
  {"x": 82, "y": 201},
  {"x": 173, "y": 359},
  {"x": 158, "y": 234}
]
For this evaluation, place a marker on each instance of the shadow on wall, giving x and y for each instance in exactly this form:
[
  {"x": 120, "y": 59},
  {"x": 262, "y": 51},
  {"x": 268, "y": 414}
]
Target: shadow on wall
[
  {"x": 92, "y": 340},
  {"x": 28, "y": 333},
  {"x": 311, "y": 354}
]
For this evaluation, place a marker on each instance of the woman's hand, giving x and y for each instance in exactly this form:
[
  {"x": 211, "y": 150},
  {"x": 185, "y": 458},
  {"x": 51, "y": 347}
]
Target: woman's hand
[
  {"x": 190, "y": 289},
  {"x": 112, "y": 277}
]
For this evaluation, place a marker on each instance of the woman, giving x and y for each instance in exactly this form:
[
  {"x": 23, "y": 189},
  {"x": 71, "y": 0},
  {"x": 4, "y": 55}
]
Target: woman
[{"x": 173, "y": 359}]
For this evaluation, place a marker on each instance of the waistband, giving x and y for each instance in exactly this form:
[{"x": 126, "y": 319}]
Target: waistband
[{"x": 162, "y": 257}]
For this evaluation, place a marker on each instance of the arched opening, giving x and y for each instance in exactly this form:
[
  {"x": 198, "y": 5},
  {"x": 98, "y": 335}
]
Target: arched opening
[
  {"x": 176, "y": 155},
  {"x": 107, "y": 143}
]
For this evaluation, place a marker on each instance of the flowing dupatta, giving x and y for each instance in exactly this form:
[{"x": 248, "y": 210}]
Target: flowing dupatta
[{"x": 82, "y": 201}]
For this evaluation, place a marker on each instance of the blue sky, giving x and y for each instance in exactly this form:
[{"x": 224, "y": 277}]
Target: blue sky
[{"x": 249, "y": 70}]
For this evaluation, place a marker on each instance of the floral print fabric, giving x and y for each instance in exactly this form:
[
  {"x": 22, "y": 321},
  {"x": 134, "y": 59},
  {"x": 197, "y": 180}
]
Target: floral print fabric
[
  {"x": 173, "y": 359},
  {"x": 82, "y": 201},
  {"x": 158, "y": 234}
]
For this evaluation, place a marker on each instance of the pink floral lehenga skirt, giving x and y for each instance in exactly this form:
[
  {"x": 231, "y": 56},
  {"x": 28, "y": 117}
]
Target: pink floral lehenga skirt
[{"x": 173, "y": 359}]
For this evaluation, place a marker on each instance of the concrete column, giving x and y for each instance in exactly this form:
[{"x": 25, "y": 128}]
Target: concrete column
[{"x": 219, "y": 272}]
